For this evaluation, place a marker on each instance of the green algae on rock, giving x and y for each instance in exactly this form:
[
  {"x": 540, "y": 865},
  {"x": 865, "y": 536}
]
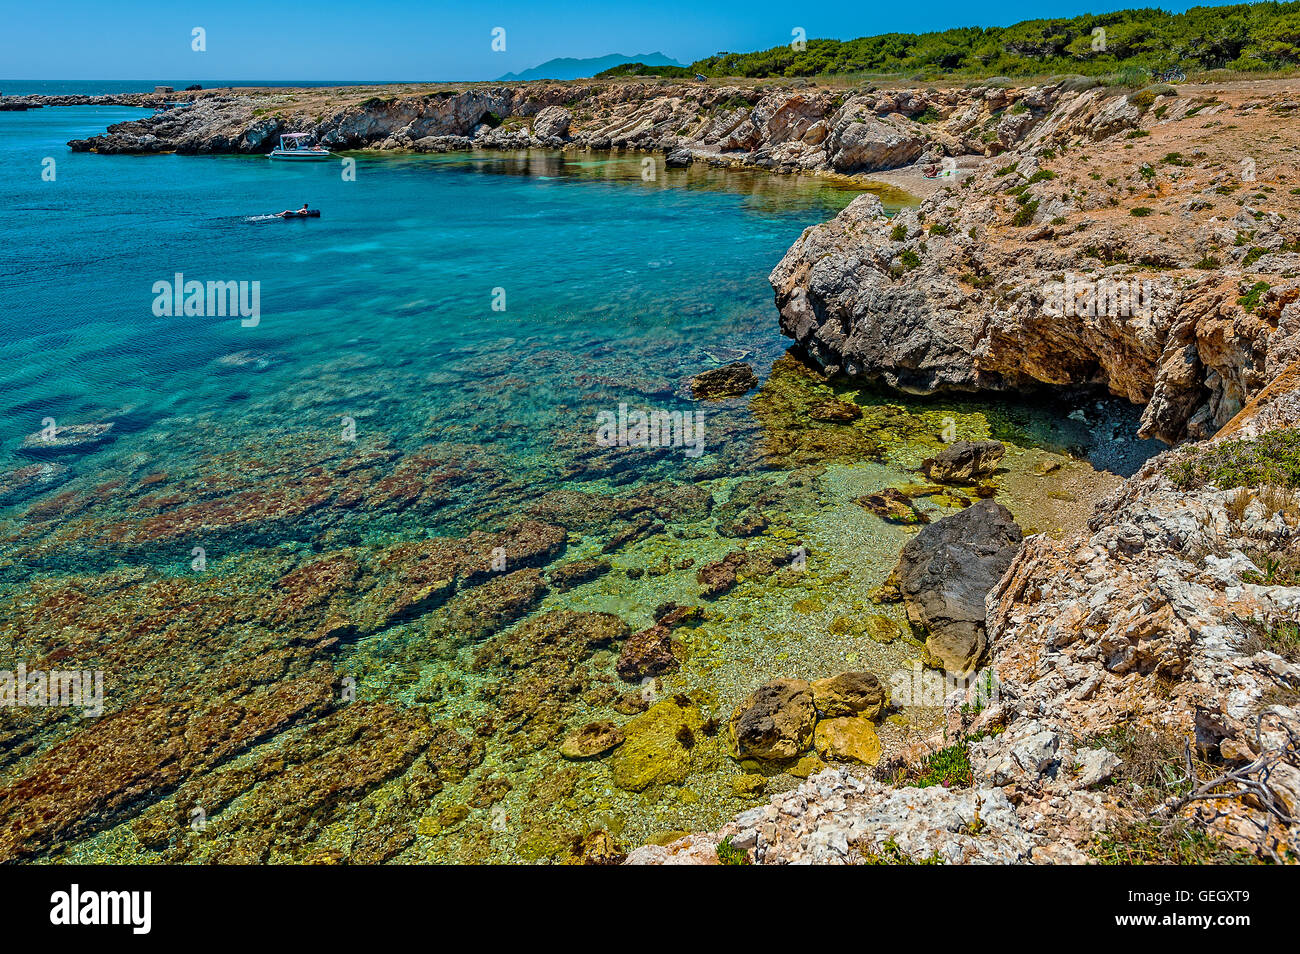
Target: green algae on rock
[{"x": 661, "y": 746}]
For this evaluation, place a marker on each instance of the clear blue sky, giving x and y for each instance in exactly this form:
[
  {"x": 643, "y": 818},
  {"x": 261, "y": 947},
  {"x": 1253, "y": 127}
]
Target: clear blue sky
[{"x": 435, "y": 39}]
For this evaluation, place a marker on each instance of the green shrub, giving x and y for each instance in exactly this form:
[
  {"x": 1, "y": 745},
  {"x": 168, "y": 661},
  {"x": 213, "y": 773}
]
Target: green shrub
[
  {"x": 1143, "y": 98},
  {"x": 729, "y": 854},
  {"x": 1025, "y": 214},
  {"x": 1249, "y": 300},
  {"x": 1272, "y": 458}
]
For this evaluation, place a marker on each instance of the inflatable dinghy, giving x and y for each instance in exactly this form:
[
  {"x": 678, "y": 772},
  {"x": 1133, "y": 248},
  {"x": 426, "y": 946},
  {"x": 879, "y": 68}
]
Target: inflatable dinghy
[{"x": 309, "y": 214}]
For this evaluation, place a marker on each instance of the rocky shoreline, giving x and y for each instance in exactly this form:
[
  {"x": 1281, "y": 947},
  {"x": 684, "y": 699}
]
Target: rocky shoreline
[
  {"x": 1148, "y": 667},
  {"x": 1132, "y": 681},
  {"x": 780, "y": 128}
]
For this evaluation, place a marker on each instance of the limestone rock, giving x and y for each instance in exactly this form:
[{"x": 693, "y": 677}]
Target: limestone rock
[
  {"x": 945, "y": 573},
  {"x": 552, "y": 122},
  {"x": 775, "y": 722},
  {"x": 849, "y": 739},
  {"x": 964, "y": 461},
  {"x": 850, "y": 693}
]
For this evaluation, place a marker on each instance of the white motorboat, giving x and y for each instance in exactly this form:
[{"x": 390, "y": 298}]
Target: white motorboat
[{"x": 298, "y": 146}]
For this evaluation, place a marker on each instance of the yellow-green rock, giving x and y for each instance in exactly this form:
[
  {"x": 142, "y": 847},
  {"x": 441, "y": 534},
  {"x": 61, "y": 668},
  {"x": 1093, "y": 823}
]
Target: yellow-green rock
[
  {"x": 880, "y": 628},
  {"x": 850, "y": 739},
  {"x": 850, "y": 694},
  {"x": 752, "y": 784},
  {"x": 658, "y": 746},
  {"x": 806, "y": 766}
]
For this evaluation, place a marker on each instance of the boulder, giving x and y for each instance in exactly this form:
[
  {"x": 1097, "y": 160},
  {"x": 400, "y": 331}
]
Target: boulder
[
  {"x": 552, "y": 122},
  {"x": 850, "y": 694},
  {"x": 860, "y": 142},
  {"x": 851, "y": 739},
  {"x": 946, "y": 571},
  {"x": 729, "y": 381},
  {"x": 775, "y": 722},
  {"x": 593, "y": 739},
  {"x": 964, "y": 461}
]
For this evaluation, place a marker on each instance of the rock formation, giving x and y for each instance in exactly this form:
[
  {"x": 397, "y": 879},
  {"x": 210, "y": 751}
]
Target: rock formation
[{"x": 946, "y": 571}]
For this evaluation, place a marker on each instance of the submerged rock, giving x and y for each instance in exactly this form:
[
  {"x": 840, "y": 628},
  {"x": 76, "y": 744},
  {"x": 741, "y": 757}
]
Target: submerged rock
[
  {"x": 945, "y": 573},
  {"x": 568, "y": 575},
  {"x": 647, "y": 653},
  {"x": 245, "y": 361},
  {"x": 964, "y": 461},
  {"x": 893, "y": 505},
  {"x": 775, "y": 722},
  {"x": 834, "y": 411},
  {"x": 729, "y": 381},
  {"x": 23, "y": 481},
  {"x": 658, "y": 745},
  {"x": 593, "y": 739},
  {"x": 65, "y": 440},
  {"x": 650, "y": 652}
]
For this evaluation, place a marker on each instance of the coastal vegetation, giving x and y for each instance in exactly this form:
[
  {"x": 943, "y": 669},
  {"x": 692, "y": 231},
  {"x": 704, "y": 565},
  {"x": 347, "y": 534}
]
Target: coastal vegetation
[
  {"x": 1241, "y": 37},
  {"x": 1273, "y": 458}
]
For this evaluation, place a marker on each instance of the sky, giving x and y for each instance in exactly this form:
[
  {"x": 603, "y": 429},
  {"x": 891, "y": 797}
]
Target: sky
[{"x": 437, "y": 40}]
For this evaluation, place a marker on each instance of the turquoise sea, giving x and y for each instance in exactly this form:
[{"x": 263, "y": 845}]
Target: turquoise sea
[{"x": 607, "y": 281}]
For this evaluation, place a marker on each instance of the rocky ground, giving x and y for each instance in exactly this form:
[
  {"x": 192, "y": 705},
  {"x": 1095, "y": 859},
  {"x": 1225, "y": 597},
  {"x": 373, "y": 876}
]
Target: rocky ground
[{"x": 1139, "y": 698}]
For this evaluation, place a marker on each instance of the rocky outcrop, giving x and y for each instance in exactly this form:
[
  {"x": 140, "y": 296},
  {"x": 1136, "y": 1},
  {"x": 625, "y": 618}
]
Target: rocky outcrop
[
  {"x": 1171, "y": 616},
  {"x": 837, "y": 818},
  {"x": 945, "y": 573},
  {"x": 552, "y": 122},
  {"x": 1148, "y": 264},
  {"x": 780, "y": 128}
]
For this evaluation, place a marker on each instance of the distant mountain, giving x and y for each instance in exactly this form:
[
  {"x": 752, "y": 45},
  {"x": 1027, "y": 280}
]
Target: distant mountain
[{"x": 568, "y": 68}]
